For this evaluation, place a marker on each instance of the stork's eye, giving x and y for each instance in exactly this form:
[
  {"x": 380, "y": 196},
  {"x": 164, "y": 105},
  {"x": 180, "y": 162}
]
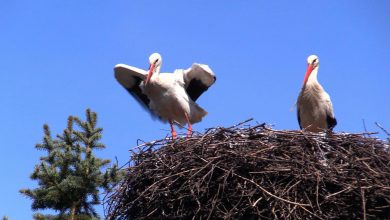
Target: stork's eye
[
  {"x": 155, "y": 61},
  {"x": 315, "y": 60}
]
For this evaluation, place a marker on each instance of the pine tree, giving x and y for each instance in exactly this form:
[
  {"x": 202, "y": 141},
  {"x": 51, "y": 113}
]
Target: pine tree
[{"x": 70, "y": 176}]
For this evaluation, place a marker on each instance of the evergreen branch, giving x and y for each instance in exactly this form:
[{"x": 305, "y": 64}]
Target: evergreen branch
[{"x": 70, "y": 176}]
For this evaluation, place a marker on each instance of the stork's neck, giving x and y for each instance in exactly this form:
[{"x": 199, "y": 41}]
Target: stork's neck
[
  {"x": 156, "y": 72},
  {"x": 313, "y": 77}
]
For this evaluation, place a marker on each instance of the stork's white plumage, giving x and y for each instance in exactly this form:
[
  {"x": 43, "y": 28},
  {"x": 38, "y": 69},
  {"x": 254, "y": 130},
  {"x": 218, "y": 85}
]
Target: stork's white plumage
[
  {"x": 315, "y": 110},
  {"x": 169, "y": 96}
]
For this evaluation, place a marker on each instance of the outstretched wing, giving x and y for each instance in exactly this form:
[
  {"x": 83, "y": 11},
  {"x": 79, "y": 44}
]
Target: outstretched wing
[
  {"x": 198, "y": 79},
  {"x": 131, "y": 78}
]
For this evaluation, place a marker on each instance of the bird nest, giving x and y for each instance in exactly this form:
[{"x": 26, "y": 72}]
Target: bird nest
[{"x": 252, "y": 172}]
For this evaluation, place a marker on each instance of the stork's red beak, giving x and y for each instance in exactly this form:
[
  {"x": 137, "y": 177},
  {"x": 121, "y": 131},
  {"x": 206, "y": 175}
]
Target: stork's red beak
[
  {"x": 151, "y": 68},
  {"x": 308, "y": 72}
]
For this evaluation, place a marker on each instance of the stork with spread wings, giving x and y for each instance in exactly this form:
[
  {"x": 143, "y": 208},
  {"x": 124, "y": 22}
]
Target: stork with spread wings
[{"x": 169, "y": 96}]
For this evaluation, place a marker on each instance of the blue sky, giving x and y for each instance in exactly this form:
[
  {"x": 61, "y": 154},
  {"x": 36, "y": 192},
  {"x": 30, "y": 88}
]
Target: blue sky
[{"x": 57, "y": 59}]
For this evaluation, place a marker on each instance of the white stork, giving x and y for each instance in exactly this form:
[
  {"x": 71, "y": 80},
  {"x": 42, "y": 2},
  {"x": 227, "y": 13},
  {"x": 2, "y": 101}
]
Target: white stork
[
  {"x": 315, "y": 110},
  {"x": 170, "y": 97}
]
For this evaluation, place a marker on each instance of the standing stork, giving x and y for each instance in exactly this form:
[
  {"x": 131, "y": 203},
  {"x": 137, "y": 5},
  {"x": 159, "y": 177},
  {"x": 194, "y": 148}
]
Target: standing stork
[
  {"x": 315, "y": 110},
  {"x": 170, "y": 97}
]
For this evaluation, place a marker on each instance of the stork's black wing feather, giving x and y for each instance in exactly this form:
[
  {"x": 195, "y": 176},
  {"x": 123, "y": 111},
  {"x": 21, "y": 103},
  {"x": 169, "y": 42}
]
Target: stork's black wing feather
[
  {"x": 299, "y": 118},
  {"x": 195, "y": 88},
  {"x": 131, "y": 79},
  {"x": 137, "y": 93},
  {"x": 198, "y": 79},
  {"x": 331, "y": 121}
]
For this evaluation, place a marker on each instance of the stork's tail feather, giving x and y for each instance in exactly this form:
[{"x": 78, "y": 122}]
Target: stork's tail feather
[{"x": 197, "y": 113}]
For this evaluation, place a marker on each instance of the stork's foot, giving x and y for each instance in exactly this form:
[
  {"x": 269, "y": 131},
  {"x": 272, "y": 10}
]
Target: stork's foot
[
  {"x": 189, "y": 133},
  {"x": 189, "y": 129},
  {"x": 174, "y": 135}
]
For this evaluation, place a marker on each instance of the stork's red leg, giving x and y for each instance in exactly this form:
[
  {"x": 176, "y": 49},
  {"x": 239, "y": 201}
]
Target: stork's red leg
[
  {"x": 189, "y": 130},
  {"x": 172, "y": 130}
]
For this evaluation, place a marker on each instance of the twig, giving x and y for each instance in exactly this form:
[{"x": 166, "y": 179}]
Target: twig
[
  {"x": 336, "y": 193},
  {"x": 265, "y": 191},
  {"x": 363, "y": 204},
  {"x": 364, "y": 126},
  {"x": 383, "y": 129},
  {"x": 241, "y": 123}
]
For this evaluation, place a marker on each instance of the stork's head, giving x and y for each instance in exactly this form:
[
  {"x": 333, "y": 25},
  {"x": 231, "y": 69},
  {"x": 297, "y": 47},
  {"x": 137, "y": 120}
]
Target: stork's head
[
  {"x": 155, "y": 62},
  {"x": 155, "y": 59},
  {"x": 312, "y": 63},
  {"x": 313, "y": 60}
]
